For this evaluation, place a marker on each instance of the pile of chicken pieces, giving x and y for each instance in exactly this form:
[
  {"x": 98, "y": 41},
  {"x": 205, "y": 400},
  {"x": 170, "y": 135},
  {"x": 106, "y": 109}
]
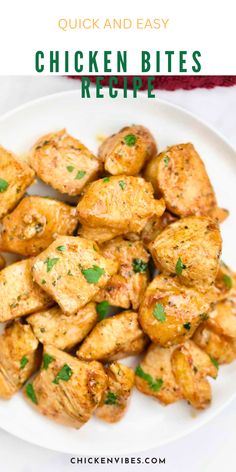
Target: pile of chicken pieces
[{"x": 144, "y": 239}]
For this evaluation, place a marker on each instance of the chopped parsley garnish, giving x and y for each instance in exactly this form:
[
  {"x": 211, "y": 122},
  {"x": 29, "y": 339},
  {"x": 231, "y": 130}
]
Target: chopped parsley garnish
[
  {"x": 214, "y": 362},
  {"x": 61, "y": 248},
  {"x": 166, "y": 161},
  {"x": 69, "y": 273},
  {"x": 47, "y": 359},
  {"x": 43, "y": 281},
  {"x": 159, "y": 312},
  {"x": 70, "y": 168},
  {"x": 64, "y": 374},
  {"x": 139, "y": 265},
  {"x": 154, "y": 384},
  {"x": 130, "y": 139},
  {"x": 23, "y": 362},
  {"x": 93, "y": 274},
  {"x": 111, "y": 399},
  {"x": 51, "y": 262},
  {"x": 187, "y": 326},
  {"x": 179, "y": 266},
  {"x": 228, "y": 281},
  {"x": 122, "y": 184},
  {"x": 31, "y": 393},
  {"x": 106, "y": 179},
  {"x": 3, "y": 185},
  {"x": 80, "y": 174},
  {"x": 204, "y": 316},
  {"x": 102, "y": 309}
]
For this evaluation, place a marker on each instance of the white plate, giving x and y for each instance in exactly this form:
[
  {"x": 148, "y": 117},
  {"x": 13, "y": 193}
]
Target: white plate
[{"x": 147, "y": 424}]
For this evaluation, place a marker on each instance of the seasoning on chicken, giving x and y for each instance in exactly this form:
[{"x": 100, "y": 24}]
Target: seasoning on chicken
[
  {"x": 15, "y": 177},
  {"x": 220, "y": 348},
  {"x": 63, "y": 331},
  {"x": 127, "y": 151},
  {"x": 34, "y": 224},
  {"x": 64, "y": 162},
  {"x": 66, "y": 389},
  {"x": 120, "y": 384},
  {"x": 72, "y": 271},
  {"x": 189, "y": 248},
  {"x": 19, "y": 294},
  {"x": 19, "y": 357}
]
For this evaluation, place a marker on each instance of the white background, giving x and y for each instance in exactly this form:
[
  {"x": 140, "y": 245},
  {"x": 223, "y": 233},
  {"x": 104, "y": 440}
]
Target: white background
[{"x": 212, "y": 448}]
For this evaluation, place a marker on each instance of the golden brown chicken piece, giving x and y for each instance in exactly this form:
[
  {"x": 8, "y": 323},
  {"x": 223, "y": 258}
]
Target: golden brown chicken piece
[
  {"x": 155, "y": 226},
  {"x": 112, "y": 337},
  {"x": 126, "y": 288},
  {"x": 170, "y": 312},
  {"x": 120, "y": 384},
  {"x": 63, "y": 331},
  {"x": 64, "y": 162},
  {"x": 34, "y": 224},
  {"x": 221, "y": 349},
  {"x": 72, "y": 271},
  {"x": 66, "y": 389},
  {"x": 189, "y": 248},
  {"x": 19, "y": 295},
  {"x": 19, "y": 357},
  {"x": 222, "y": 319},
  {"x": 127, "y": 151},
  {"x": 2, "y": 262},
  {"x": 154, "y": 375},
  {"x": 120, "y": 202},
  {"x": 100, "y": 235},
  {"x": 190, "y": 366},
  {"x": 15, "y": 177},
  {"x": 180, "y": 177}
]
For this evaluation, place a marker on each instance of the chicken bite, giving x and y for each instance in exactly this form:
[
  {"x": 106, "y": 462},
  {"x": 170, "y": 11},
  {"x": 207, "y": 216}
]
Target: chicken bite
[
  {"x": 63, "y": 331},
  {"x": 19, "y": 357},
  {"x": 154, "y": 375},
  {"x": 66, "y": 389},
  {"x": 15, "y": 177},
  {"x": 155, "y": 226},
  {"x": 72, "y": 271},
  {"x": 189, "y": 248},
  {"x": 120, "y": 202},
  {"x": 34, "y": 224},
  {"x": 64, "y": 162},
  {"x": 120, "y": 384},
  {"x": 19, "y": 294},
  {"x": 170, "y": 312},
  {"x": 113, "y": 337},
  {"x": 221, "y": 349},
  {"x": 100, "y": 235},
  {"x": 127, "y": 151},
  {"x": 126, "y": 288},
  {"x": 222, "y": 319}
]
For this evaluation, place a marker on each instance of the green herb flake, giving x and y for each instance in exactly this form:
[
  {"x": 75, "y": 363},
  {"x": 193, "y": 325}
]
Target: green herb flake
[
  {"x": 61, "y": 248},
  {"x": 159, "y": 312},
  {"x": 47, "y": 359},
  {"x": 139, "y": 265},
  {"x": 31, "y": 393},
  {"x": 3, "y": 185},
  {"x": 228, "y": 281},
  {"x": 204, "y": 316},
  {"x": 106, "y": 179},
  {"x": 51, "y": 262},
  {"x": 80, "y": 174},
  {"x": 111, "y": 399},
  {"x": 102, "y": 309},
  {"x": 214, "y": 362},
  {"x": 64, "y": 374},
  {"x": 166, "y": 161},
  {"x": 93, "y": 274},
  {"x": 179, "y": 266},
  {"x": 70, "y": 273},
  {"x": 154, "y": 384},
  {"x": 187, "y": 326},
  {"x": 23, "y": 362},
  {"x": 122, "y": 184},
  {"x": 70, "y": 168},
  {"x": 43, "y": 281},
  {"x": 130, "y": 140}
]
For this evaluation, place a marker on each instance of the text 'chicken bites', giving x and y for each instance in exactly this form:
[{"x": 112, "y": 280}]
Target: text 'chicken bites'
[
  {"x": 64, "y": 162},
  {"x": 19, "y": 294},
  {"x": 122, "y": 203},
  {"x": 126, "y": 288},
  {"x": 19, "y": 357},
  {"x": 34, "y": 224},
  {"x": 66, "y": 389},
  {"x": 127, "y": 151},
  {"x": 15, "y": 177},
  {"x": 72, "y": 270},
  {"x": 120, "y": 384},
  {"x": 63, "y": 331},
  {"x": 189, "y": 248},
  {"x": 179, "y": 176},
  {"x": 170, "y": 313},
  {"x": 115, "y": 337}
]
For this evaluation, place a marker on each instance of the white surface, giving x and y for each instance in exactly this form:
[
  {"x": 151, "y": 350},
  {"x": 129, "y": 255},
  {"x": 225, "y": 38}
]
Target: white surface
[{"x": 201, "y": 447}]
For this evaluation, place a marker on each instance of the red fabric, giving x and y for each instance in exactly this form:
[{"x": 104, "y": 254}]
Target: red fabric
[{"x": 173, "y": 82}]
